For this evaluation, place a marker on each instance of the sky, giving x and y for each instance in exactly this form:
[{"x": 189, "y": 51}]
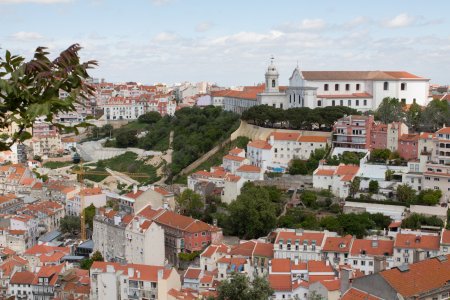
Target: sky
[{"x": 230, "y": 42}]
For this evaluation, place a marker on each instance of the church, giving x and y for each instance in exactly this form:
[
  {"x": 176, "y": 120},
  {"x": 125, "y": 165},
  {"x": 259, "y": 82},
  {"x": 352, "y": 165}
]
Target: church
[{"x": 361, "y": 90}]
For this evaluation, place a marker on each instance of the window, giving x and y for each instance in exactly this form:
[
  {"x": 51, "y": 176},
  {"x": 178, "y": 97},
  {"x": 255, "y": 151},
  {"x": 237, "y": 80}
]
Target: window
[
  {"x": 347, "y": 87},
  {"x": 349, "y": 102},
  {"x": 363, "y": 263},
  {"x": 273, "y": 83},
  {"x": 403, "y": 86},
  {"x": 357, "y": 103},
  {"x": 336, "y": 87},
  {"x": 341, "y": 102},
  {"x": 333, "y": 103},
  {"x": 386, "y": 86},
  {"x": 325, "y": 87},
  {"x": 355, "y": 262},
  {"x": 319, "y": 103},
  {"x": 365, "y": 102},
  {"x": 357, "y": 86}
]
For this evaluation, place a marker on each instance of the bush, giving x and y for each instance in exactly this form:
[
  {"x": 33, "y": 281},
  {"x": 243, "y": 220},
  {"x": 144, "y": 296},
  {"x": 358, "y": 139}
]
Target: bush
[{"x": 188, "y": 256}]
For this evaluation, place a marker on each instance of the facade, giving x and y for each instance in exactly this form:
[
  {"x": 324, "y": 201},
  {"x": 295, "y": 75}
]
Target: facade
[
  {"x": 412, "y": 248},
  {"x": 337, "y": 249},
  {"x": 353, "y": 132},
  {"x": 144, "y": 242},
  {"x": 260, "y": 154},
  {"x": 337, "y": 179},
  {"x": 303, "y": 245},
  {"x": 371, "y": 256},
  {"x": 132, "y": 281},
  {"x": 94, "y": 196}
]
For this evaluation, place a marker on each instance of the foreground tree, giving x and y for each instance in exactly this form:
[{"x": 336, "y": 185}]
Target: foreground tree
[
  {"x": 390, "y": 110},
  {"x": 30, "y": 89},
  {"x": 190, "y": 203},
  {"x": 406, "y": 193},
  {"x": 86, "y": 263},
  {"x": 239, "y": 287}
]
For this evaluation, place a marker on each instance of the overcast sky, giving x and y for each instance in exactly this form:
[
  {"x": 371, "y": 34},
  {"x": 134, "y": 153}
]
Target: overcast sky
[{"x": 230, "y": 42}]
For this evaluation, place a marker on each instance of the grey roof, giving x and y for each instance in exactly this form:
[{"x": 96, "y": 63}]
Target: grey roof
[
  {"x": 89, "y": 244},
  {"x": 50, "y": 236},
  {"x": 73, "y": 257}
]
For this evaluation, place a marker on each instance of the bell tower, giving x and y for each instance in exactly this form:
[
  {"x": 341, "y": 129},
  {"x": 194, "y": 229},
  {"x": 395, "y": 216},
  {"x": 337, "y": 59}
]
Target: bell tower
[{"x": 272, "y": 78}]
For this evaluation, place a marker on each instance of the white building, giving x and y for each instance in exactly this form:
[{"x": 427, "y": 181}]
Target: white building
[
  {"x": 371, "y": 256},
  {"x": 122, "y": 108},
  {"x": 132, "y": 281},
  {"x": 337, "y": 179},
  {"x": 411, "y": 248},
  {"x": 144, "y": 242},
  {"x": 361, "y": 90},
  {"x": 260, "y": 153},
  {"x": 94, "y": 196},
  {"x": 300, "y": 244}
]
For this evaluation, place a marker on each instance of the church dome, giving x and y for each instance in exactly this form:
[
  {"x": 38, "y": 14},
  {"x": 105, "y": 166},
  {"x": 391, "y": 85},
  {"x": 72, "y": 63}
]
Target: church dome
[{"x": 272, "y": 69}]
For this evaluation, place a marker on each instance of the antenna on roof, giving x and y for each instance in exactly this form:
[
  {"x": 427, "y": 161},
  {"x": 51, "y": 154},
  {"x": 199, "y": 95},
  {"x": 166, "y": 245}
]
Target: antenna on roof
[{"x": 271, "y": 58}]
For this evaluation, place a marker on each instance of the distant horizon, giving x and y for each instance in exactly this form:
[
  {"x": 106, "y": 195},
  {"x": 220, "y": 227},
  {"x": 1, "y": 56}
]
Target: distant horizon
[{"x": 231, "y": 43}]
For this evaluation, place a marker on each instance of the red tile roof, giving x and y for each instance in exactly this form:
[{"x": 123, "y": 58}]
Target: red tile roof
[
  {"x": 372, "y": 247},
  {"x": 281, "y": 265},
  {"x": 282, "y": 282},
  {"x": 420, "y": 277},
  {"x": 445, "y": 130},
  {"x": 249, "y": 169},
  {"x": 426, "y": 242},
  {"x": 446, "y": 236},
  {"x": 358, "y": 75},
  {"x": 332, "y": 285},
  {"x": 319, "y": 266},
  {"x": 355, "y": 294},
  {"x": 325, "y": 172},
  {"x": 24, "y": 277},
  {"x": 337, "y": 244},
  {"x": 192, "y": 273},
  {"x": 141, "y": 272},
  {"x": 285, "y": 136},
  {"x": 260, "y": 144},
  {"x": 233, "y": 157},
  {"x": 236, "y": 151},
  {"x": 313, "y": 139},
  {"x": 345, "y": 96},
  {"x": 301, "y": 237}
]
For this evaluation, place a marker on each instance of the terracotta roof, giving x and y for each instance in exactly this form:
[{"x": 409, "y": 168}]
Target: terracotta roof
[
  {"x": 236, "y": 151},
  {"x": 337, "y": 244},
  {"x": 332, "y": 285},
  {"x": 134, "y": 195},
  {"x": 358, "y": 75},
  {"x": 446, "y": 236},
  {"x": 45, "y": 249},
  {"x": 91, "y": 191},
  {"x": 409, "y": 137},
  {"x": 282, "y": 282},
  {"x": 192, "y": 273},
  {"x": 281, "y": 265},
  {"x": 301, "y": 237},
  {"x": 285, "y": 136},
  {"x": 260, "y": 144},
  {"x": 395, "y": 224},
  {"x": 211, "y": 249},
  {"x": 263, "y": 250},
  {"x": 51, "y": 272},
  {"x": 325, "y": 172},
  {"x": 141, "y": 272},
  {"x": 24, "y": 277},
  {"x": 232, "y": 178},
  {"x": 372, "y": 247},
  {"x": 355, "y": 294},
  {"x": 149, "y": 213},
  {"x": 161, "y": 191},
  {"x": 234, "y": 157},
  {"x": 319, "y": 266},
  {"x": 420, "y": 277},
  {"x": 445, "y": 130},
  {"x": 429, "y": 242},
  {"x": 249, "y": 169},
  {"x": 426, "y": 135},
  {"x": 312, "y": 139}
]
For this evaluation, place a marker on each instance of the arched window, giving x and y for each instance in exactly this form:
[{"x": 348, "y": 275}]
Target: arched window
[
  {"x": 386, "y": 86},
  {"x": 273, "y": 82},
  {"x": 403, "y": 86}
]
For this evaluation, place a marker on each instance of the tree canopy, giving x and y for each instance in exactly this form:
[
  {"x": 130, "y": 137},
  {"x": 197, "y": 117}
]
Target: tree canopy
[
  {"x": 190, "y": 204},
  {"x": 30, "y": 89},
  {"x": 239, "y": 287}
]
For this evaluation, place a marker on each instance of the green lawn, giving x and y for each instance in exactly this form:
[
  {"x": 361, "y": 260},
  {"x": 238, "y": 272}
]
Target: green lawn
[
  {"x": 57, "y": 164},
  {"x": 126, "y": 162}
]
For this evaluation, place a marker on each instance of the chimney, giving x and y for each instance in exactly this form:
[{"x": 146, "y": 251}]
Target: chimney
[
  {"x": 215, "y": 222},
  {"x": 327, "y": 262},
  {"x": 130, "y": 272},
  {"x": 138, "y": 274},
  {"x": 374, "y": 243},
  {"x": 160, "y": 274},
  {"x": 296, "y": 261},
  {"x": 134, "y": 189},
  {"x": 109, "y": 268}
]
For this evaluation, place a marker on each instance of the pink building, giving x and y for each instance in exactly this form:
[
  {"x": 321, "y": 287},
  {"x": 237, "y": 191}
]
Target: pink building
[
  {"x": 408, "y": 146},
  {"x": 353, "y": 132},
  {"x": 378, "y": 136}
]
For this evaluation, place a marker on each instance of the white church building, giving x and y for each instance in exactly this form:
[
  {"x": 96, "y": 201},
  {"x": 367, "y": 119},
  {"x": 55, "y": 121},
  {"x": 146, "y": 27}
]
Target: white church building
[{"x": 361, "y": 90}]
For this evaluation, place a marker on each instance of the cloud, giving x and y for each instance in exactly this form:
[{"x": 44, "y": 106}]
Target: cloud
[
  {"x": 204, "y": 26},
  {"x": 401, "y": 20},
  {"x": 33, "y": 1},
  {"x": 23, "y": 36},
  {"x": 313, "y": 24},
  {"x": 248, "y": 37},
  {"x": 356, "y": 22},
  {"x": 160, "y": 2},
  {"x": 166, "y": 37}
]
